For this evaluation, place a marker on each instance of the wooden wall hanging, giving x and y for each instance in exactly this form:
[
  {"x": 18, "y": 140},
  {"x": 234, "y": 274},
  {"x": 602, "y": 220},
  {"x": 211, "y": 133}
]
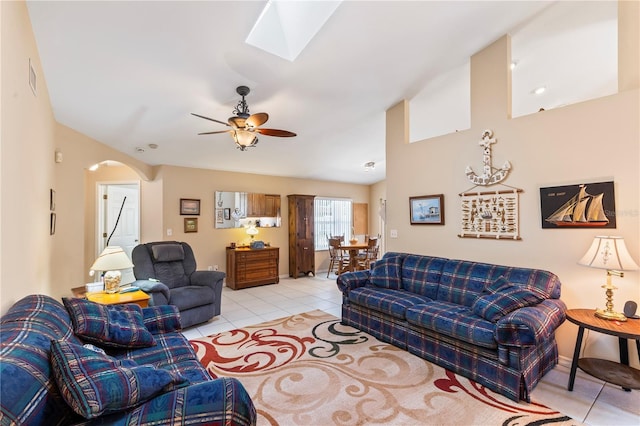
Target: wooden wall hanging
[{"x": 490, "y": 214}]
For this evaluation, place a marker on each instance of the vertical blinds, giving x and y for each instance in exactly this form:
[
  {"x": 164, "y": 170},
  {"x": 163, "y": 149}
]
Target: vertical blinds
[{"x": 332, "y": 216}]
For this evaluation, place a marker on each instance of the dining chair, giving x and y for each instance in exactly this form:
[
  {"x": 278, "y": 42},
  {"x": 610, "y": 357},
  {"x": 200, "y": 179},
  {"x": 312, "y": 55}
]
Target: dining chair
[
  {"x": 337, "y": 259},
  {"x": 369, "y": 255}
]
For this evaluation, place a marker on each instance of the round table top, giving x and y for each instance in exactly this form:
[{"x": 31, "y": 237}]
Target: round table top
[{"x": 586, "y": 318}]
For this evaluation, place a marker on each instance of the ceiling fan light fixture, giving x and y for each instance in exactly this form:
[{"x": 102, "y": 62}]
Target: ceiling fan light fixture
[{"x": 244, "y": 139}]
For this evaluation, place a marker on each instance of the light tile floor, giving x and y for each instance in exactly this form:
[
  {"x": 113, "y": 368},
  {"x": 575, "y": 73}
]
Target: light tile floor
[{"x": 592, "y": 401}]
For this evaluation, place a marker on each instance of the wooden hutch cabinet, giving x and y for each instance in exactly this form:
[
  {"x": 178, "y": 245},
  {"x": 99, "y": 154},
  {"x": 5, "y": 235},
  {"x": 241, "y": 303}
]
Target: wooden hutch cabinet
[
  {"x": 301, "y": 244},
  {"x": 252, "y": 267}
]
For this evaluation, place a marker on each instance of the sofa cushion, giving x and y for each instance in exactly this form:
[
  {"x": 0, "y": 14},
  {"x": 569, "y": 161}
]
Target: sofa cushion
[
  {"x": 119, "y": 326},
  {"x": 494, "y": 306},
  {"x": 421, "y": 274},
  {"x": 499, "y": 284},
  {"x": 453, "y": 320},
  {"x": 386, "y": 272},
  {"x": 385, "y": 300},
  {"x": 167, "y": 252},
  {"x": 161, "y": 319},
  {"x": 94, "y": 384}
]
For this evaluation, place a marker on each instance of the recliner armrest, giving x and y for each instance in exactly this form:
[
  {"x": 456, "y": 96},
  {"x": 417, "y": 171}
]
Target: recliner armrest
[
  {"x": 150, "y": 287},
  {"x": 207, "y": 278}
]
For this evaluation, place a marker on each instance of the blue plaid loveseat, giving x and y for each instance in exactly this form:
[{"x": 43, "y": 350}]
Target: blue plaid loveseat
[
  {"x": 490, "y": 323},
  {"x": 35, "y": 326}
]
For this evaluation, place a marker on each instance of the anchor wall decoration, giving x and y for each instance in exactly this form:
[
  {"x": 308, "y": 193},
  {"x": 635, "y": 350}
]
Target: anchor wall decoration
[{"x": 490, "y": 175}]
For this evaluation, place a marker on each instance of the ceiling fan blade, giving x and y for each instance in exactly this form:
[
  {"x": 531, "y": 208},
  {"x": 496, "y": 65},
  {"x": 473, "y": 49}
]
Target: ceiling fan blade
[
  {"x": 214, "y": 133},
  {"x": 210, "y": 119},
  {"x": 257, "y": 119},
  {"x": 276, "y": 132}
]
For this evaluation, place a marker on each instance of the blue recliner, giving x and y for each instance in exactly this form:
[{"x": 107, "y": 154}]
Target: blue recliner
[{"x": 166, "y": 270}]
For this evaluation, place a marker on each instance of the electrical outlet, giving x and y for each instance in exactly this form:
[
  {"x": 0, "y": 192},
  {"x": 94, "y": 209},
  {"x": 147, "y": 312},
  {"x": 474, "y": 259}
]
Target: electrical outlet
[
  {"x": 393, "y": 233},
  {"x": 209, "y": 268},
  {"x": 169, "y": 232}
]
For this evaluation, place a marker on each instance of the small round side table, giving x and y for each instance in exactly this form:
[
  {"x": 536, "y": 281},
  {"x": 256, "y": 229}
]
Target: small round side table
[{"x": 612, "y": 372}]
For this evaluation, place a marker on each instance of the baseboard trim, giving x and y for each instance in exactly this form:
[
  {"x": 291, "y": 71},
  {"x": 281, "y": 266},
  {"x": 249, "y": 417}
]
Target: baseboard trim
[{"x": 564, "y": 361}]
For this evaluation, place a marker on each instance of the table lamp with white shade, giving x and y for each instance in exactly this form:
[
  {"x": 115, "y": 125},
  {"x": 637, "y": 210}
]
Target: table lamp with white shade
[
  {"x": 252, "y": 231},
  {"x": 111, "y": 261},
  {"x": 609, "y": 253}
]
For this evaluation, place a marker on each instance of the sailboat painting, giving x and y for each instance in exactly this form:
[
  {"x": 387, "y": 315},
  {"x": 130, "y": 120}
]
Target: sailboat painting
[{"x": 587, "y": 205}]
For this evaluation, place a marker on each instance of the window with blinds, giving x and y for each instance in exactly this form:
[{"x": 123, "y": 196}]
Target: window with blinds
[{"x": 332, "y": 217}]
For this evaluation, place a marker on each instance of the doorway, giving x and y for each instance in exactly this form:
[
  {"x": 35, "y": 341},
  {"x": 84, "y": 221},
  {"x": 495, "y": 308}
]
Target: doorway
[{"x": 118, "y": 218}]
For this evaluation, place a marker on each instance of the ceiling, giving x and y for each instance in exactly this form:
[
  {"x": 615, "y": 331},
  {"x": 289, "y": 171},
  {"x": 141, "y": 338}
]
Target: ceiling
[{"x": 128, "y": 74}]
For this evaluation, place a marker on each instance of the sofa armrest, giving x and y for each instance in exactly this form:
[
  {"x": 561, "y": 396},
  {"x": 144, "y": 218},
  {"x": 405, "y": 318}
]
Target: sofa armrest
[
  {"x": 352, "y": 280},
  {"x": 531, "y": 325},
  {"x": 158, "y": 291},
  {"x": 207, "y": 278},
  {"x": 221, "y": 401},
  {"x": 161, "y": 319}
]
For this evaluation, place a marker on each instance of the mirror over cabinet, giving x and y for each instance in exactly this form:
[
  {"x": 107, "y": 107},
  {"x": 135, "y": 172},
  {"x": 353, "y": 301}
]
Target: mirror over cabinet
[{"x": 241, "y": 209}]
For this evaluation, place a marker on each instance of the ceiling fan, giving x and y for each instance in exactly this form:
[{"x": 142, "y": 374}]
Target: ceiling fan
[{"x": 244, "y": 126}]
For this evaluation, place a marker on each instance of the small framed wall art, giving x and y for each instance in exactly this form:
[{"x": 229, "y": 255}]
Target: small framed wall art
[
  {"x": 227, "y": 214},
  {"x": 189, "y": 206},
  {"x": 190, "y": 224},
  {"x": 427, "y": 210}
]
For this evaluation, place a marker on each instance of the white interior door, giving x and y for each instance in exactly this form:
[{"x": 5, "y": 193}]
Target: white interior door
[{"x": 119, "y": 218}]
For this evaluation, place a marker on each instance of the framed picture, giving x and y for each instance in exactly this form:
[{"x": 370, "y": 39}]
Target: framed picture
[
  {"x": 227, "y": 214},
  {"x": 52, "y": 200},
  {"x": 427, "y": 210},
  {"x": 189, "y": 206},
  {"x": 219, "y": 216},
  {"x": 190, "y": 224},
  {"x": 584, "y": 205},
  {"x": 491, "y": 214}
]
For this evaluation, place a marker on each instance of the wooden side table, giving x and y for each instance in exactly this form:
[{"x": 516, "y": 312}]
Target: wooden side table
[
  {"x": 138, "y": 297},
  {"x": 612, "y": 372}
]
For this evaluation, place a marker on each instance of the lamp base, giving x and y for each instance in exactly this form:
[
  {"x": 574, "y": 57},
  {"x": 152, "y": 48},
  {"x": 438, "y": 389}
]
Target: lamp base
[
  {"x": 112, "y": 281},
  {"x": 610, "y": 315}
]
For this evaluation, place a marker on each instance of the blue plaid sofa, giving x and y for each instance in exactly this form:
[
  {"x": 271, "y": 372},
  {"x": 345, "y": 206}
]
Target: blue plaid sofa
[
  {"x": 37, "y": 332},
  {"x": 492, "y": 324}
]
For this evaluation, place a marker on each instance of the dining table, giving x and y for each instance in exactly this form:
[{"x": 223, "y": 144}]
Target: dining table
[{"x": 353, "y": 250}]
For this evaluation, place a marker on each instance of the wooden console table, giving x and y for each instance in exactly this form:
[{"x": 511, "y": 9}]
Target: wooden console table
[
  {"x": 252, "y": 267},
  {"x": 612, "y": 372}
]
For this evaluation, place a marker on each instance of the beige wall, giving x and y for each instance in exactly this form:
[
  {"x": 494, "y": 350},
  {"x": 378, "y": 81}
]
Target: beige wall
[
  {"x": 592, "y": 141},
  {"x": 27, "y": 168}
]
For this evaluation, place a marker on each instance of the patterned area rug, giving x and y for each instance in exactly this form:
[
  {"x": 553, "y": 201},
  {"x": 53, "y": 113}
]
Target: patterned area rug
[{"x": 308, "y": 369}]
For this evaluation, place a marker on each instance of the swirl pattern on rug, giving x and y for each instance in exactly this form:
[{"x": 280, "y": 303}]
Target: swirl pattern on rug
[{"x": 309, "y": 369}]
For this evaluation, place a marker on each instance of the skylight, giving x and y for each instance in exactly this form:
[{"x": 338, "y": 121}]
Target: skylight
[{"x": 285, "y": 27}]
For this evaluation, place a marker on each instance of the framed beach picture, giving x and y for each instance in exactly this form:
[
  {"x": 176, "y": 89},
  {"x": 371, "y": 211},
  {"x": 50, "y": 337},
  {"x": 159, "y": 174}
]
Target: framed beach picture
[
  {"x": 189, "y": 206},
  {"x": 427, "y": 210},
  {"x": 584, "y": 205}
]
